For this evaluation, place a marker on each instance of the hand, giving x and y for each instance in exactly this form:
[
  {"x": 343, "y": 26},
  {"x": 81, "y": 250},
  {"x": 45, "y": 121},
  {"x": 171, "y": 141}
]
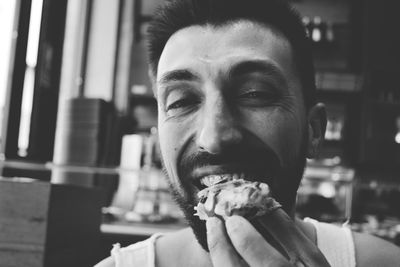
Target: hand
[{"x": 237, "y": 243}]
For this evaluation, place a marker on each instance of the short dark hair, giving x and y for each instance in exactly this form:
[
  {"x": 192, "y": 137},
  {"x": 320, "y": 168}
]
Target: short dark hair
[{"x": 178, "y": 14}]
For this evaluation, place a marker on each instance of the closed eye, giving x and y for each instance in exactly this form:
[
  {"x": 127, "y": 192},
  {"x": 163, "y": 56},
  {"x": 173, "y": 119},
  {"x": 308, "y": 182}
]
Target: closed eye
[
  {"x": 257, "y": 97},
  {"x": 181, "y": 106},
  {"x": 261, "y": 95},
  {"x": 257, "y": 94}
]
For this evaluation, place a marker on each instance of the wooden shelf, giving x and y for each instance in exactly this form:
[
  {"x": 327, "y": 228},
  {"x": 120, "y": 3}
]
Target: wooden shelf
[
  {"x": 139, "y": 229},
  {"x": 27, "y": 165},
  {"x": 333, "y": 11}
]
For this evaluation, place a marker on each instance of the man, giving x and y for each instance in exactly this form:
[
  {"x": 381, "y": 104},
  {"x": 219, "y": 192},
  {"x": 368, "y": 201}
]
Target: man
[{"x": 235, "y": 87}]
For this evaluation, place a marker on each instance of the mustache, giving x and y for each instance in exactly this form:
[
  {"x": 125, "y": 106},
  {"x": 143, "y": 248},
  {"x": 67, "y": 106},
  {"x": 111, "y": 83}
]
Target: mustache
[{"x": 261, "y": 158}]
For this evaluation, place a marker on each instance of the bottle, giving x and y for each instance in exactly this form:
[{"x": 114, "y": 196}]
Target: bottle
[
  {"x": 329, "y": 35},
  {"x": 316, "y": 34},
  {"x": 308, "y": 25}
]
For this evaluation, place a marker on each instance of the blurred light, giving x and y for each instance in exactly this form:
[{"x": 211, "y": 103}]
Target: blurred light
[
  {"x": 7, "y": 33},
  {"x": 29, "y": 81},
  {"x": 316, "y": 32},
  {"x": 327, "y": 190},
  {"x": 397, "y": 138},
  {"x": 34, "y": 33}
]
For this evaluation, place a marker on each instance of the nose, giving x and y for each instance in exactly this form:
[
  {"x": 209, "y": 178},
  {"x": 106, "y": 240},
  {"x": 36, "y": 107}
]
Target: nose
[{"x": 218, "y": 128}]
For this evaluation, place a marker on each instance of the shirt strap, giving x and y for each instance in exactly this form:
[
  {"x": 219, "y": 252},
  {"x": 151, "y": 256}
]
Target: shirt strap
[
  {"x": 139, "y": 254},
  {"x": 336, "y": 243}
]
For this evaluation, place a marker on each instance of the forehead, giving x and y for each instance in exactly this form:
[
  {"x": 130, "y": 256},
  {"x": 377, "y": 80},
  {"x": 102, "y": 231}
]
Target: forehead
[{"x": 215, "y": 48}]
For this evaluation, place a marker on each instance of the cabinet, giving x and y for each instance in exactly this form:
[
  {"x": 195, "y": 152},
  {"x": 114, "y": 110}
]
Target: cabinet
[
  {"x": 334, "y": 28},
  {"x": 381, "y": 104},
  {"x": 48, "y": 225},
  {"x": 365, "y": 54}
]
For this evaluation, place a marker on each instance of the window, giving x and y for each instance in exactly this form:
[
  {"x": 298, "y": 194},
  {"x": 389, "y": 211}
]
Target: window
[
  {"x": 8, "y": 35},
  {"x": 29, "y": 80}
]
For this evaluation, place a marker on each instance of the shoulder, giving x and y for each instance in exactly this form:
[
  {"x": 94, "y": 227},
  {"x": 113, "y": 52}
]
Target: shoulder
[
  {"x": 131, "y": 255},
  {"x": 141, "y": 251},
  {"x": 109, "y": 262},
  {"x": 374, "y": 251},
  {"x": 171, "y": 246}
]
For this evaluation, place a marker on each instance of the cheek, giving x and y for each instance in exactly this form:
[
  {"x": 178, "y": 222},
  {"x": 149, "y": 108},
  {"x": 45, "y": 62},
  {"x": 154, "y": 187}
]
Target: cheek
[
  {"x": 168, "y": 149},
  {"x": 173, "y": 137},
  {"x": 282, "y": 131},
  {"x": 291, "y": 144}
]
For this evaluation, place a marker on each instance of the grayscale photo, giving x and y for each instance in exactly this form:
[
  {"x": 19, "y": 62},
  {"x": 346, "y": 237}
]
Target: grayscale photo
[{"x": 199, "y": 133}]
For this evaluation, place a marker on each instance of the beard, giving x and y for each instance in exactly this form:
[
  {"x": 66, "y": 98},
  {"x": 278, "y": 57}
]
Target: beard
[{"x": 284, "y": 184}]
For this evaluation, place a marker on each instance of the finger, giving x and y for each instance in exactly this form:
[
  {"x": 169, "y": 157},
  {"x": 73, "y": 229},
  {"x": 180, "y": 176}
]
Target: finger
[
  {"x": 221, "y": 250},
  {"x": 279, "y": 226},
  {"x": 251, "y": 245},
  {"x": 292, "y": 239}
]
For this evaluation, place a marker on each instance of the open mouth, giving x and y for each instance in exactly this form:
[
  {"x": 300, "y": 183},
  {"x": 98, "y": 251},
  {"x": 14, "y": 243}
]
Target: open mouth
[
  {"x": 226, "y": 195},
  {"x": 215, "y": 179}
]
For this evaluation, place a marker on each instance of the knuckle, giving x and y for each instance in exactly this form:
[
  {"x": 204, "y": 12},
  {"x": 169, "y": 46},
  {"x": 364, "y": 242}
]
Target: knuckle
[{"x": 214, "y": 243}]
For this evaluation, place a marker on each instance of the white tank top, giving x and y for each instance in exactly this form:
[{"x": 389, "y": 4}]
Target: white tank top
[{"x": 336, "y": 243}]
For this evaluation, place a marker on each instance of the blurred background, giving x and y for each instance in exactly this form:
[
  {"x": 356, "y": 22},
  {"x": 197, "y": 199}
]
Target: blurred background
[{"x": 78, "y": 134}]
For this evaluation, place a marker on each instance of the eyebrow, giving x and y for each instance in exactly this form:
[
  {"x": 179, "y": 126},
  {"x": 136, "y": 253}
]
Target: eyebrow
[
  {"x": 178, "y": 75},
  {"x": 260, "y": 66},
  {"x": 242, "y": 68}
]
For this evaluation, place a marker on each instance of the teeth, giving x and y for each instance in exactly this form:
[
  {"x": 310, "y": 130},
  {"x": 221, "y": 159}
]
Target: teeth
[{"x": 211, "y": 180}]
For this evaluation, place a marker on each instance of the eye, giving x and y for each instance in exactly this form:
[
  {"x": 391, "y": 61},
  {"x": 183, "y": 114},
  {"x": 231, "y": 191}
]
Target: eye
[
  {"x": 256, "y": 94},
  {"x": 264, "y": 94},
  {"x": 181, "y": 103},
  {"x": 180, "y": 98},
  {"x": 181, "y": 106}
]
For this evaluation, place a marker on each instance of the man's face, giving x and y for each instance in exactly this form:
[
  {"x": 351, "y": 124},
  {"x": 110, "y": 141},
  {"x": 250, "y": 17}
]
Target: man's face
[{"x": 230, "y": 102}]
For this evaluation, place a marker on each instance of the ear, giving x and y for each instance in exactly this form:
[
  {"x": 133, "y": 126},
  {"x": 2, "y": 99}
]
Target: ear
[
  {"x": 153, "y": 80},
  {"x": 316, "y": 129}
]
